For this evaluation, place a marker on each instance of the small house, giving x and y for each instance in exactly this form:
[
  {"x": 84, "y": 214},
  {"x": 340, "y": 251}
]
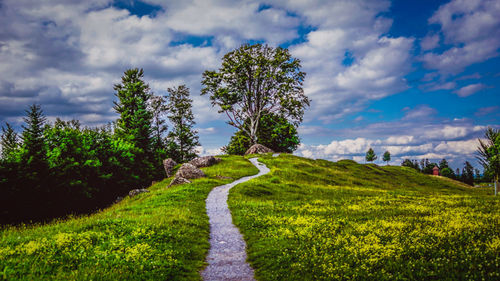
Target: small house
[{"x": 435, "y": 171}]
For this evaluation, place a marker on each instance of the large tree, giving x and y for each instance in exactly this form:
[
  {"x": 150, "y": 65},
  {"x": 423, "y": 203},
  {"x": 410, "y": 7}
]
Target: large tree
[
  {"x": 182, "y": 136},
  {"x": 255, "y": 79},
  {"x": 489, "y": 153},
  {"x": 274, "y": 132},
  {"x": 34, "y": 154}
]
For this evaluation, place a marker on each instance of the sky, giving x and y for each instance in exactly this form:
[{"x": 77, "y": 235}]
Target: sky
[{"x": 417, "y": 78}]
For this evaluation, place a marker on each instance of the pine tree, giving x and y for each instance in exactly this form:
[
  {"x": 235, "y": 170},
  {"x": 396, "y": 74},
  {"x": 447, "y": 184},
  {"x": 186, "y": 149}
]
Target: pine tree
[
  {"x": 135, "y": 120},
  {"x": 468, "y": 173},
  {"x": 387, "y": 157},
  {"x": 158, "y": 109},
  {"x": 182, "y": 135},
  {"x": 8, "y": 141},
  {"x": 34, "y": 151},
  {"x": 370, "y": 155}
]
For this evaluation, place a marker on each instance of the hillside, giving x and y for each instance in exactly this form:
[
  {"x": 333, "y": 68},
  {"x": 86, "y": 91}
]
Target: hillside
[
  {"x": 305, "y": 220},
  {"x": 318, "y": 220}
]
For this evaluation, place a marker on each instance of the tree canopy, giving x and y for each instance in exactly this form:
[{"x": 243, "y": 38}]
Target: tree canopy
[
  {"x": 370, "y": 155},
  {"x": 253, "y": 80},
  {"x": 489, "y": 152}
]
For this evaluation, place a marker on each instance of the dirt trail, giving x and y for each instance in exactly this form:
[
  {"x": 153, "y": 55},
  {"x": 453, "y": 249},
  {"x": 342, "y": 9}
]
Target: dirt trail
[{"x": 227, "y": 255}]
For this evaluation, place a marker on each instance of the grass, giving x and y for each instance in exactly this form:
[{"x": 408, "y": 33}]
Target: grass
[
  {"x": 318, "y": 220},
  {"x": 160, "y": 235}
]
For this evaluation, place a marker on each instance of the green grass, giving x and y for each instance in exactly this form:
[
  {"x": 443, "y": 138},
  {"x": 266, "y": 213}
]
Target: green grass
[
  {"x": 160, "y": 235},
  {"x": 318, "y": 220}
]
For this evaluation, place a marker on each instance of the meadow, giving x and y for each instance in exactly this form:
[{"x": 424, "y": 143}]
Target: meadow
[
  {"x": 160, "y": 235},
  {"x": 318, "y": 220}
]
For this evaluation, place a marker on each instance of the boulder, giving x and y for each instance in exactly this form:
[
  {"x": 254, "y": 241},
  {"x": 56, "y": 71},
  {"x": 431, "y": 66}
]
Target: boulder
[
  {"x": 204, "y": 161},
  {"x": 178, "y": 180},
  {"x": 258, "y": 149},
  {"x": 168, "y": 165},
  {"x": 189, "y": 171},
  {"x": 135, "y": 192}
]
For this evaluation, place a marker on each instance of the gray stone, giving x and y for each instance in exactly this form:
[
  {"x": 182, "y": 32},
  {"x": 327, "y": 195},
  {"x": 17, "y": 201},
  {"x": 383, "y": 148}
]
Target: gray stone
[
  {"x": 258, "y": 149},
  {"x": 118, "y": 199},
  {"x": 205, "y": 161},
  {"x": 178, "y": 180},
  {"x": 189, "y": 171},
  {"x": 168, "y": 165},
  {"x": 135, "y": 192}
]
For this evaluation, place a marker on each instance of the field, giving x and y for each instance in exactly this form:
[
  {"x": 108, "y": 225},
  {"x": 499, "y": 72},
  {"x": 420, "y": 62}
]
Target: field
[
  {"x": 318, "y": 220},
  {"x": 160, "y": 235}
]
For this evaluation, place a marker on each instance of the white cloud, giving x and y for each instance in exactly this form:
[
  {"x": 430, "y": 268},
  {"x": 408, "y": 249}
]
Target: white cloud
[
  {"x": 470, "y": 89},
  {"x": 429, "y": 42},
  {"x": 419, "y": 113},
  {"x": 472, "y": 27}
]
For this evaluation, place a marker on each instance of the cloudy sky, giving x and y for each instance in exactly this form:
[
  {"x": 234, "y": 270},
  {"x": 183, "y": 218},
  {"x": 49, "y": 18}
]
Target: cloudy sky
[{"x": 417, "y": 78}]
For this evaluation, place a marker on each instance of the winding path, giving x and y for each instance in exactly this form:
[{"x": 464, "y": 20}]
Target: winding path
[{"x": 227, "y": 255}]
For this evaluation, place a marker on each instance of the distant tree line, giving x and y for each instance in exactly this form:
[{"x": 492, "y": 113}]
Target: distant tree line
[
  {"x": 54, "y": 169},
  {"x": 468, "y": 175}
]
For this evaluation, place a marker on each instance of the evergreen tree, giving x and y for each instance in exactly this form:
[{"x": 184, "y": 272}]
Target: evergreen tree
[
  {"x": 134, "y": 124},
  {"x": 387, "y": 157},
  {"x": 8, "y": 141},
  {"x": 182, "y": 136},
  {"x": 443, "y": 164},
  {"x": 34, "y": 152},
  {"x": 468, "y": 173},
  {"x": 370, "y": 155},
  {"x": 158, "y": 109}
]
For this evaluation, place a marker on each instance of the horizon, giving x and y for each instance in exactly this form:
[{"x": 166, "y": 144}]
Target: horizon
[{"x": 417, "y": 79}]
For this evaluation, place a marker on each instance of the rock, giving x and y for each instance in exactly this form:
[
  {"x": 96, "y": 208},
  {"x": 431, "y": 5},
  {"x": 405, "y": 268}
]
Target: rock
[
  {"x": 168, "y": 165},
  {"x": 135, "y": 192},
  {"x": 118, "y": 199},
  {"x": 189, "y": 171},
  {"x": 178, "y": 180},
  {"x": 258, "y": 149},
  {"x": 204, "y": 161}
]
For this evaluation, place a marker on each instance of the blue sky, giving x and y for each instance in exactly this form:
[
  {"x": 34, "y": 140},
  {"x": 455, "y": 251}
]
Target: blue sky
[{"x": 417, "y": 78}]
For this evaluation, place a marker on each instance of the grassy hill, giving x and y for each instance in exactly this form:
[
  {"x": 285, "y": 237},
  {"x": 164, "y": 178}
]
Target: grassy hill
[
  {"x": 306, "y": 220},
  {"x": 160, "y": 235},
  {"x": 318, "y": 220}
]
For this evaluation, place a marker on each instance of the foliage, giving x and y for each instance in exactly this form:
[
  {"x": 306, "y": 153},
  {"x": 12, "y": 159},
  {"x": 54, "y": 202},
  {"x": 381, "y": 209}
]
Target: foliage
[
  {"x": 387, "y": 157},
  {"x": 467, "y": 173},
  {"x": 160, "y": 235},
  {"x": 447, "y": 172},
  {"x": 274, "y": 132},
  {"x": 489, "y": 153},
  {"x": 318, "y": 220},
  {"x": 134, "y": 123},
  {"x": 8, "y": 141},
  {"x": 182, "y": 118},
  {"x": 158, "y": 108},
  {"x": 253, "y": 80},
  {"x": 370, "y": 155}
]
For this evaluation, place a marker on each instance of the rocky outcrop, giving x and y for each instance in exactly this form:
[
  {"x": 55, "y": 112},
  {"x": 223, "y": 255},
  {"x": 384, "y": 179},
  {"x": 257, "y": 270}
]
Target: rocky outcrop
[
  {"x": 135, "y": 192},
  {"x": 205, "y": 161},
  {"x": 189, "y": 171},
  {"x": 168, "y": 165},
  {"x": 258, "y": 149},
  {"x": 185, "y": 173},
  {"x": 178, "y": 180}
]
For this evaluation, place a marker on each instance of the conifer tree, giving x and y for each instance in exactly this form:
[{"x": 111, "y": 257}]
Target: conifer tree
[
  {"x": 182, "y": 136},
  {"x": 34, "y": 151},
  {"x": 8, "y": 141},
  {"x": 387, "y": 157},
  {"x": 134, "y": 124},
  {"x": 370, "y": 155},
  {"x": 158, "y": 109}
]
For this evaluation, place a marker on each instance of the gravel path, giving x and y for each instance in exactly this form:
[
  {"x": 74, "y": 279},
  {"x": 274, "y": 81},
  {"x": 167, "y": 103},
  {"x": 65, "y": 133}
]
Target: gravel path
[{"x": 227, "y": 255}]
